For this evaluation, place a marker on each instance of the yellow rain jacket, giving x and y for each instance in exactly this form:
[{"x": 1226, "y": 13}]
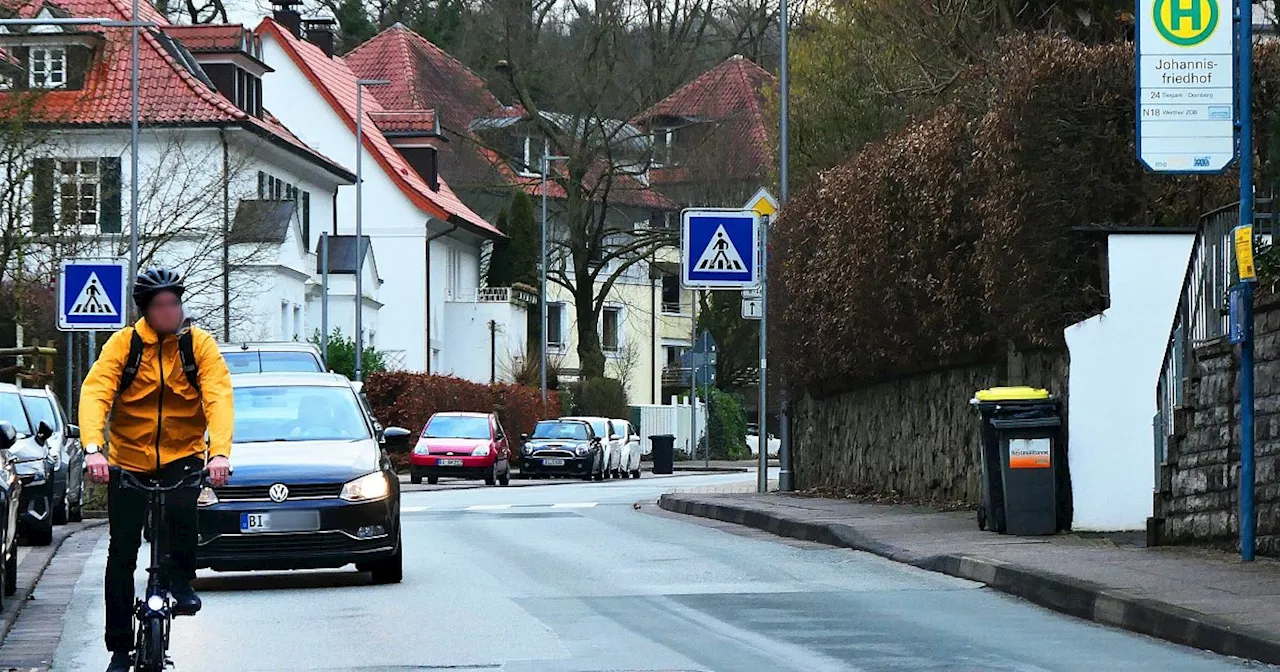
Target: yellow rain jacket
[{"x": 161, "y": 417}]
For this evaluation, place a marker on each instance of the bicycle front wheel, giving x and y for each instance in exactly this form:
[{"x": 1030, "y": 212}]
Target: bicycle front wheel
[{"x": 151, "y": 647}]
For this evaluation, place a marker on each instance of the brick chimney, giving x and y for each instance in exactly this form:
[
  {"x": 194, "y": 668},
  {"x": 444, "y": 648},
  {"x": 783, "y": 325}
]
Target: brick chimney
[
  {"x": 285, "y": 14},
  {"x": 322, "y": 33}
]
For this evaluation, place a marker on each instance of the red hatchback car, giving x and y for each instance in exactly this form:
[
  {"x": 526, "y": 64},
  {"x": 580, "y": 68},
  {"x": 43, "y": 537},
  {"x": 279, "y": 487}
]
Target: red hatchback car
[{"x": 463, "y": 445}]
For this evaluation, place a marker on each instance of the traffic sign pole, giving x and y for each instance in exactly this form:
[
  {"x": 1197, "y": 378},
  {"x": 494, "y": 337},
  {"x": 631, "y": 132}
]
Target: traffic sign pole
[
  {"x": 1244, "y": 47},
  {"x": 762, "y": 440}
]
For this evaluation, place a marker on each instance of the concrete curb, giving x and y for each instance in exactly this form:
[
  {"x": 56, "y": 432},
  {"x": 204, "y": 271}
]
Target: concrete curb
[
  {"x": 1075, "y": 597},
  {"x": 32, "y": 569},
  {"x": 713, "y": 470}
]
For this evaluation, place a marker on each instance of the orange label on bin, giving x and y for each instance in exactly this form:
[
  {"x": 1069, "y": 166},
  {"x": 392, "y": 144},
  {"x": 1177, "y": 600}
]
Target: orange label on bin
[{"x": 1030, "y": 453}]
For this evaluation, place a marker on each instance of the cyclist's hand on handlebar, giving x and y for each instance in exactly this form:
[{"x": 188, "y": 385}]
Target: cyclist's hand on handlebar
[
  {"x": 95, "y": 467},
  {"x": 219, "y": 469}
]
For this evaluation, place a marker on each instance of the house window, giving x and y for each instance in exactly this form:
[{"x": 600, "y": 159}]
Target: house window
[
  {"x": 555, "y": 325},
  {"x": 453, "y": 274},
  {"x": 664, "y": 147},
  {"x": 47, "y": 67},
  {"x": 671, "y": 294},
  {"x": 675, "y": 353},
  {"x": 530, "y": 152},
  {"x": 6, "y": 83},
  {"x": 611, "y": 329},
  {"x": 79, "y": 192},
  {"x": 285, "y": 331},
  {"x": 297, "y": 323}
]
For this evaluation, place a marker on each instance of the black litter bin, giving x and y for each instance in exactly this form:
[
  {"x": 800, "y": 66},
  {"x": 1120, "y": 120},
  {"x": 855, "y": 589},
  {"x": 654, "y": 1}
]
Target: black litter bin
[
  {"x": 664, "y": 453},
  {"x": 1023, "y": 465}
]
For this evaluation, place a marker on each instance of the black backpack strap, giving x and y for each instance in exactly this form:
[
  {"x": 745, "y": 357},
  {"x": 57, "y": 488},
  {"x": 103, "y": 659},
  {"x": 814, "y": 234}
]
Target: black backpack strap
[
  {"x": 187, "y": 354},
  {"x": 131, "y": 364}
]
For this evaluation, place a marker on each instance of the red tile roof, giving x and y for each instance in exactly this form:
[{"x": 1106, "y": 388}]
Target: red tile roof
[
  {"x": 337, "y": 84},
  {"x": 732, "y": 95},
  {"x": 212, "y": 38},
  {"x": 407, "y": 121},
  {"x": 169, "y": 93},
  {"x": 425, "y": 77}
]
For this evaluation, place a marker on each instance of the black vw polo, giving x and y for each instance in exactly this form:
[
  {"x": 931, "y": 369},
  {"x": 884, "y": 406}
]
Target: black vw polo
[{"x": 312, "y": 485}]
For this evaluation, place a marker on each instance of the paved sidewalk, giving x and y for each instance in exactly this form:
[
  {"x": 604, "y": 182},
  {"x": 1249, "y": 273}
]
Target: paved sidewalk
[{"x": 1201, "y": 598}]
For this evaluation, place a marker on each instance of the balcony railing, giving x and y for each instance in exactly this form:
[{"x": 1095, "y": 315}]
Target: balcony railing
[{"x": 517, "y": 294}]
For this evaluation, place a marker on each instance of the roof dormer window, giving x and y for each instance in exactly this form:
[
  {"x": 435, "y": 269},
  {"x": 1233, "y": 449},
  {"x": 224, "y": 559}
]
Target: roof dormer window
[
  {"x": 47, "y": 67},
  {"x": 664, "y": 140}
]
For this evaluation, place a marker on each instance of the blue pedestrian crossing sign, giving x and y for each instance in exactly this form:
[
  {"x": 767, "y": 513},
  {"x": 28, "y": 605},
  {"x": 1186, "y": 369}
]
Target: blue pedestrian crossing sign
[
  {"x": 91, "y": 294},
  {"x": 720, "y": 248}
]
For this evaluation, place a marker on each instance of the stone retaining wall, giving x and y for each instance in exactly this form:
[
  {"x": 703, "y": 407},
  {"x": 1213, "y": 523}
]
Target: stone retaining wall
[{"x": 916, "y": 436}]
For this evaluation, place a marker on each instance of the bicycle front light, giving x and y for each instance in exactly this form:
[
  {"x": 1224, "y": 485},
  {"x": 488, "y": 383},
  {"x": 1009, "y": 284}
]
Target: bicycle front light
[
  {"x": 367, "y": 488},
  {"x": 207, "y": 497},
  {"x": 155, "y": 603}
]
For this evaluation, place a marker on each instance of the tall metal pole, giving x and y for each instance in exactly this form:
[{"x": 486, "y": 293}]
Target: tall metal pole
[
  {"x": 133, "y": 147},
  {"x": 693, "y": 377},
  {"x": 359, "y": 230},
  {"x": 762, "y": 478},
  {"x": 69, "y": 363},
  {"x": 785, "y": 480},
  {"x": 324, "y": 296},
  {"x": 542, "y": 284},
  {"x": 1244, "y": 47}
]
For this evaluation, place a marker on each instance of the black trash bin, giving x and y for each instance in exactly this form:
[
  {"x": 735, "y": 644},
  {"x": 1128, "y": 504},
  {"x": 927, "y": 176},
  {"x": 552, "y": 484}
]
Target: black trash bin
[
  {"x": 1023, "y": 462},
  {"x": 664, "y": 453}
]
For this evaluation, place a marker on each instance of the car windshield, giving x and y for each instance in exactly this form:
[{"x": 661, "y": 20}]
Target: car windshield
[
  {"x": 11, "y": 411},
  {"x": 298, "y": 413},
  {"x": 456, "y": 427},
  {"x": 41, "y": 410},
  {"x": 598, "y": 427},
  {"x": 255, "y": 361},
  {"x": 575, "y": 431}
]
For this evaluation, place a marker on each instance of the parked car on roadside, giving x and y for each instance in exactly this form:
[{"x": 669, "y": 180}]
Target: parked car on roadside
[
  {"x": 35, "y": 465},
  {"x": 313, "y": 485},
  {"x": 10, "y": 497},
  {"x": 610, "y": 442},
  {"x": 462, "y": 445},
  {"x": 629, "y": 464},
  {"x": 753, "y": 442},
  {"x": 563, "y": 448},
  {"x": 272, "y": 357},
  {"x": 68, "y": 478}
]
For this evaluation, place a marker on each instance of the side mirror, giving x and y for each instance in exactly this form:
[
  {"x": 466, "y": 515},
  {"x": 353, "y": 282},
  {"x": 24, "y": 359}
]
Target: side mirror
[
  {"x": 396, "y": 439},
  {"x": 524, "y": 437},
  {"x": 634, "y": 439},
  {"x": 43, "y": 432},
  {"x": 73, "y": 431},
  {"x": 8, "y": 436}
]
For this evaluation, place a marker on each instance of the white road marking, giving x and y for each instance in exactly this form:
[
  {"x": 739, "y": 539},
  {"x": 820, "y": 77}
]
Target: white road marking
[
  {"x": 413, "y": 509},
  {"x": 574, "y": 505},
  {"x": 488, "y": 507}
]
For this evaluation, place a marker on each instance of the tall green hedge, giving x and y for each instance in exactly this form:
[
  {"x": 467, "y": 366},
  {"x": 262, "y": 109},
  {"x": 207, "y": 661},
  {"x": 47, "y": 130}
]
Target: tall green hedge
[{"x": 944, "y": 243}]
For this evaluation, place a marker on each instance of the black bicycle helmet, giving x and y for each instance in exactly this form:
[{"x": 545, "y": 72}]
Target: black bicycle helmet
[{"x": 153, "y": 281}]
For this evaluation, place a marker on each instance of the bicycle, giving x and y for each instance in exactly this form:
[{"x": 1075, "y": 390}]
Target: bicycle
[{"x": 154, "y": 612}]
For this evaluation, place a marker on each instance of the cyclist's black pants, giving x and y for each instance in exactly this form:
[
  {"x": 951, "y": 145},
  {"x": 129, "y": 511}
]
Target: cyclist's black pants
[{"x": 128, "y": 512}]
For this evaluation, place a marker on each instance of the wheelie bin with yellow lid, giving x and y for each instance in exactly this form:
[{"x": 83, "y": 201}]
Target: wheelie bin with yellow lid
[{"x": 1022, "y": 461}]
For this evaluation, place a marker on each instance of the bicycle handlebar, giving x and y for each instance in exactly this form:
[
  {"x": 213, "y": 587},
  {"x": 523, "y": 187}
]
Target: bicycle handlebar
[{"x": 128, "y": 480}]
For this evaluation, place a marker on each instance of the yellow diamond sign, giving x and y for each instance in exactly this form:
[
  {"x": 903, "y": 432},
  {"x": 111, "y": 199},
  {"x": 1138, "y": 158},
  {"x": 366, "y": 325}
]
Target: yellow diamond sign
[{"x": 763, "y": 203}]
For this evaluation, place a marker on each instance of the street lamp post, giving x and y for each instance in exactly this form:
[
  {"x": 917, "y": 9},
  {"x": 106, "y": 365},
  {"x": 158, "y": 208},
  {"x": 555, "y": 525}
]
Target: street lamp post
[
  {"x": 786, "y": 481},
  {"x": 542, "y": 266},
  {"x": 360, "y": 84}
]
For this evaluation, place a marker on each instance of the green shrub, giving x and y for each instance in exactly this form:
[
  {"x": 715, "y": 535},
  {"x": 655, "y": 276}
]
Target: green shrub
[
  {"x": 602, "y": 397},
  {"x": 341, "y": 357},
  {"x": 727, "y": 426}
]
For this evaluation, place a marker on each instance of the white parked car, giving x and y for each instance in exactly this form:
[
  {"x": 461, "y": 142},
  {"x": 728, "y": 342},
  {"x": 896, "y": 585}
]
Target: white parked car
[
  {"x": 629, "y": 466},
  {"x": 753, "y": 442},
  {"x": 611, "y": 442}
]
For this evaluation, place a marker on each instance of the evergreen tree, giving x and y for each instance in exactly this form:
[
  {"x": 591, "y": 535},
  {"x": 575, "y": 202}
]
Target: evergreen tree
[
  {"x": 499, "y": 273},
  {"x": 523, "y": 250}
]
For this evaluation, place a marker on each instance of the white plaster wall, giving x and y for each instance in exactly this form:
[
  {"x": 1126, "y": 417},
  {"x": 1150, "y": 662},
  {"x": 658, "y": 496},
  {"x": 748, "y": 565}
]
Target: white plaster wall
[
  {"x": 1115, "y": 363},
  {"x": 467, "y": 324}
]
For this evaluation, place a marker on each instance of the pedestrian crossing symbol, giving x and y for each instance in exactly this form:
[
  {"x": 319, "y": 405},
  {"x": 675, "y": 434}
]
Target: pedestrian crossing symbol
[
  {"x": 91, "y": 295},
  {"x": 92, "y": 300},
  {"x": 720, "y": 254},
  {"x": 720, "y": 248}
]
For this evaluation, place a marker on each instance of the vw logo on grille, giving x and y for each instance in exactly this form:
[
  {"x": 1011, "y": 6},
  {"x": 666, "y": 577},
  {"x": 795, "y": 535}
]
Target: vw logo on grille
[{"x": 279, "y": 492}]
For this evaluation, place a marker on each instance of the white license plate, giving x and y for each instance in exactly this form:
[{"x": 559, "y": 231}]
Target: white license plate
[
  {"x": 553, "y": 463},
  {"x": 280, "y": 521},
  {"x": 444, "y": 462}
]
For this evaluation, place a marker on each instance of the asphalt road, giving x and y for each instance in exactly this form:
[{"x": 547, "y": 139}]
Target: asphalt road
[{"x": 574, "y": 578}]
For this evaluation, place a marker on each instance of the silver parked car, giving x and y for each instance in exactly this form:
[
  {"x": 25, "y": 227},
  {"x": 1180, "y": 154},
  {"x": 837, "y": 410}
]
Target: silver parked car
[{"x": 64, "y": 444}]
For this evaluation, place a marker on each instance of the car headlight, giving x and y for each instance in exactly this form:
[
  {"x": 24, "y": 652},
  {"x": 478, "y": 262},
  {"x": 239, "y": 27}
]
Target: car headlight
[
  {"x": 480, "y": 451},
  {"x": 528, "y": 450},
  {"x": 421, "y": 449},
  {"x": 583, "y": 450},
  {"x": 367, "y": 488},
  {"x": 207, "y": 497}
]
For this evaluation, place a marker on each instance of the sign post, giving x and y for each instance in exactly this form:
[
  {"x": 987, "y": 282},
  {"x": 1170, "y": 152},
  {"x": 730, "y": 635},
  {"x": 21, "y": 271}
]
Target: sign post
[
  {"x": 1248, "y": 520},
  {"x": 1186, "y": 116}
]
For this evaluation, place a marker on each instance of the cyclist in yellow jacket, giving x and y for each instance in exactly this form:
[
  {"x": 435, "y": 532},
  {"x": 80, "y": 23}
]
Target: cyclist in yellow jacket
[{"x": 157, "y": 425}]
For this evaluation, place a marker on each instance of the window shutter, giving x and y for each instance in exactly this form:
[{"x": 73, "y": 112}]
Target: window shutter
[
  {"x": 306, "y": 218},
  {"x": 109, "y": 209},
  {"x": 42, "y": 196},
  {"x": 78, "y": 63},
  {"x": 262, "y": 186}
]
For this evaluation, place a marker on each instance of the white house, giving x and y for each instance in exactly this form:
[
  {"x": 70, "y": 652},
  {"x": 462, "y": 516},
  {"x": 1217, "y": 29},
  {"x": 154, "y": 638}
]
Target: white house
[
  {"x": 426, "y": 241},
  {"x": 227, "y": 195}
]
